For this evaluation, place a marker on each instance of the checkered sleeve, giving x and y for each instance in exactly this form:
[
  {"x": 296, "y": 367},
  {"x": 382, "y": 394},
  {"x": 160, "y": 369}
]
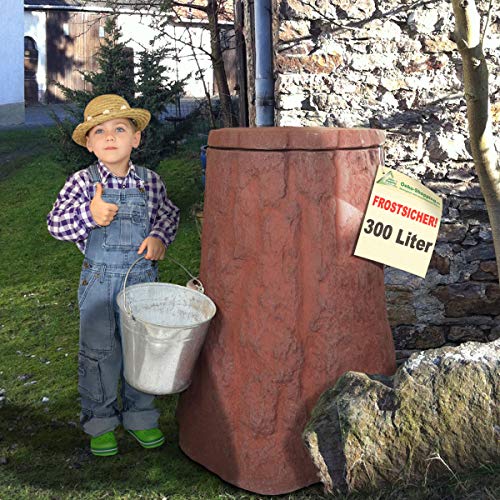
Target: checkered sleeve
[
  {"x": 70, "y": 218},
  {"x": 164, "y": 214}
]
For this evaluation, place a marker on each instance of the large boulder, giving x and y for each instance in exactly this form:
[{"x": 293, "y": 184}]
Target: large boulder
[{"x": 439, "y": 412}]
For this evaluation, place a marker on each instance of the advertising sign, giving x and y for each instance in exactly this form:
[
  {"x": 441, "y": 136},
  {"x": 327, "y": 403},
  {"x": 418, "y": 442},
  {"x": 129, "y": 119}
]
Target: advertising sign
[{"x": 401, "y": 223}]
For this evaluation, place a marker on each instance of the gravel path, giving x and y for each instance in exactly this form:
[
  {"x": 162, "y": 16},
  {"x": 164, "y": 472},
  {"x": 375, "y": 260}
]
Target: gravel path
[{"x": 39, "y": 116}]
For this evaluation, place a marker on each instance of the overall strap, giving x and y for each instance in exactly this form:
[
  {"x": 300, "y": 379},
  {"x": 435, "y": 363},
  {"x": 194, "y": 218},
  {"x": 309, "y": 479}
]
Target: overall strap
[
  {"x": 94, "y": 173},
  {"x": 142, "y": 173}
]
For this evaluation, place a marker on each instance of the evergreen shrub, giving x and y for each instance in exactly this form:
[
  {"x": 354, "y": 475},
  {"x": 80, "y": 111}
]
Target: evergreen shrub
[{"x": 145, "y": 85}]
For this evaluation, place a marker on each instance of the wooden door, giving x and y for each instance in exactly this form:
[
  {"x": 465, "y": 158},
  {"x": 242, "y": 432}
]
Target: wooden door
[{"x": 72, "y": 42}]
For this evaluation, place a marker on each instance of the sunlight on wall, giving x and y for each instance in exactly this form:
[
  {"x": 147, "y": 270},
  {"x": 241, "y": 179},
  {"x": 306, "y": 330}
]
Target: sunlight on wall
[
  {"x": 12, "y": 64},
  {"x": 35, "y": 27}
]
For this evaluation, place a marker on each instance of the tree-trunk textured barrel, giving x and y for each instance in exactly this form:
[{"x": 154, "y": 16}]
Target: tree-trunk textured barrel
[{"x": 296, "y": 310}]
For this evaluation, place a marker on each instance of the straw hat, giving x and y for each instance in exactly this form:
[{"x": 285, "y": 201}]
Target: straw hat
[{"x": 108, "y": 107}]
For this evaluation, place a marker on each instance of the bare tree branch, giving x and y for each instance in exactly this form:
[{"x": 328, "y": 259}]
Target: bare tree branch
[
  {"x": 475, "y": 74},
  {"x": 487, "y": 22}
]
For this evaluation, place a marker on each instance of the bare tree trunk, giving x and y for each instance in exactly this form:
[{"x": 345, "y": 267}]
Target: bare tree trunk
[
  {"x": 228, "y": 118},
  {"x": 470, "y": 44}
]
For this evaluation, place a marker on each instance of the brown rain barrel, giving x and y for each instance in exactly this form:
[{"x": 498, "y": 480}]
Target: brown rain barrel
[{"x": 283, "y": 209}]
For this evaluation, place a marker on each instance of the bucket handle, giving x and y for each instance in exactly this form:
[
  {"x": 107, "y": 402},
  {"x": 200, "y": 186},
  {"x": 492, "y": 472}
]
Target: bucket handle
[{"x": 194, "y": 283}]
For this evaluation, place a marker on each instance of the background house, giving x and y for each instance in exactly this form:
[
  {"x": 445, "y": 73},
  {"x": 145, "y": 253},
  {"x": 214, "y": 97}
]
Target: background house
[
  {"x": 58, "y": 38},
  {"x": 11, "y": 64},
  {"x": 67, "y": 34}
]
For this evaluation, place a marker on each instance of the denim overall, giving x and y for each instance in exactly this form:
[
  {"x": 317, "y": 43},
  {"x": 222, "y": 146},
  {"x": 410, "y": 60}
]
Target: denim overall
[{"x": 109, "y": 252}]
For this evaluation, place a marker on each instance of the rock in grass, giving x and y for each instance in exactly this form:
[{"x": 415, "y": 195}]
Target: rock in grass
[{"x": 439, "y": 413}]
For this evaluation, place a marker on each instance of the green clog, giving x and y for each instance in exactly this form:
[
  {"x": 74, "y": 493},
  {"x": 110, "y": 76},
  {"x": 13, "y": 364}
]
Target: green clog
[
  {"x": 148, "y": 438},
  {"x": 104, "y": 445}
]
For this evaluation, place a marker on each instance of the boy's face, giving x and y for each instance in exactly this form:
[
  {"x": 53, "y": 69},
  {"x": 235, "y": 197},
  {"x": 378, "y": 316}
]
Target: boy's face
[{"x": 113, "y": 141}]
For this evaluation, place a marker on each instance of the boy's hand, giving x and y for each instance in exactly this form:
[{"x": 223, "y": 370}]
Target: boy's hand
[
  {"x": 155, "y": 248},
  {"x": 102, "y": 212}
]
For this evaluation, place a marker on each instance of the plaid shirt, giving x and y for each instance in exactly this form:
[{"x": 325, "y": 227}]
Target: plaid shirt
[{"x": 70, "y": 218}]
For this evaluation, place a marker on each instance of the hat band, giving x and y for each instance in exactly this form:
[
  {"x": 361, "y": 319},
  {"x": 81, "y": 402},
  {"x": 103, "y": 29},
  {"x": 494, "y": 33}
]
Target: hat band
[{"x": 106, "y": 112}]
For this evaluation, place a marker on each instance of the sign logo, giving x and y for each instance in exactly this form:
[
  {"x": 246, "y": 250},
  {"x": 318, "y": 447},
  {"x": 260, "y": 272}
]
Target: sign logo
[{"x": 387, "y": 179}]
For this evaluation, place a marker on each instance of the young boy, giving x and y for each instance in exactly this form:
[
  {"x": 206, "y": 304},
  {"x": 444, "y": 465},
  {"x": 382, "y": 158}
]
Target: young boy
[{"x": 114, "y": 211}]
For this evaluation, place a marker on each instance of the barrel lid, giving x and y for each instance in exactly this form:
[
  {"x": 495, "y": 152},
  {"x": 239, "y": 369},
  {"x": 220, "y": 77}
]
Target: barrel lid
[{"x": 295, "y": 138}]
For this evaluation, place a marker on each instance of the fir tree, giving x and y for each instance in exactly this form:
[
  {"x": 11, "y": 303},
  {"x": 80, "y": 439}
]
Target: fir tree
[{"x": 154, "y": 90}]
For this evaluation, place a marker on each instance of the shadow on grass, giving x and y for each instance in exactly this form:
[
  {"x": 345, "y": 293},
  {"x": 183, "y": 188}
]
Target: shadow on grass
[{"x": 43, "y": 452}]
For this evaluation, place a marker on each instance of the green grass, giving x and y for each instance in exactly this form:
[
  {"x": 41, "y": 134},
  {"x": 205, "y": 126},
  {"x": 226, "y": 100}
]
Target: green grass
[{"x": 43, "y": 452}]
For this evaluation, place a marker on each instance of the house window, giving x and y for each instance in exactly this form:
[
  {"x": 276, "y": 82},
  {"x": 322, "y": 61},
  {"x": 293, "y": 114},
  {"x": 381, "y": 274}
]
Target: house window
[
  {"x": 225, "y": 40},
  {"x": 66, "y": 29}
]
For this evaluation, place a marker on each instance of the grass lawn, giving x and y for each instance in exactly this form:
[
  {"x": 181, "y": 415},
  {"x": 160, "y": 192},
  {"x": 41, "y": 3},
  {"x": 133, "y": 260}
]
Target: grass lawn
[{"x": 43, "y": 452}]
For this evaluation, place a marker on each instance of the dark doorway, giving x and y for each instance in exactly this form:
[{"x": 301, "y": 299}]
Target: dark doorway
[{"x": 30, "y": 69}]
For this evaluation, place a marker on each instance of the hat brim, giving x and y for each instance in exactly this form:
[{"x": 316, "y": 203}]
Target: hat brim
[{"x": 140, "y": 116}]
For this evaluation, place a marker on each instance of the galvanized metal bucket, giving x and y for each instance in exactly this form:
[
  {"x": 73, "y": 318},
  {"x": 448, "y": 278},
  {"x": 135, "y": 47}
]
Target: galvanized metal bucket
[{"x": 163, "y": 328}]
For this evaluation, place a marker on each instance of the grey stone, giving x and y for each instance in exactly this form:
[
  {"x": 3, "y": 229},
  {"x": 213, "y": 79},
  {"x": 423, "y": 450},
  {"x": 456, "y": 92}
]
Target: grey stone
[
  {"x": 389, "y": 100},
  {"x": 439, "y": 44},
  {"x": 366, "y": 62},
  {"x": 290, "y": 101},
  {"x": 452, "y": 232},
  {"x": 403, "y": 354},
  {"x": 485, "y": 234},
  {"x": 427, "y": 305},
  {"x": 469, "y": 190},
  {"x": 295, "y": 9},
  {"x": 293, "y": 30},
  {"x": 463, "y": 299},
  {"x": 494, "y": 334},
  {"x": 376, "y": 30},
  {"x": 473, "y": 210},
  {"x": 483, "y": 251},
  {"x": 403, "y": 337},
  {"x": 401, "y": 280},
  {"x": 448, "y": 147},
  {"x": 468, "y": 320},
  {"x": 489, "y": 267},
  {"x": 441, "y": 264},
  {"x": 462, "y": 190},
  {"x": 419, "y": 337},
  {"x": 461, "y": 174},
  {"x": 399, "y": 307},
  {"x": 423, "y": 20},
  {"x": 356, "y": 9},
  {"x": 430, "y": 336},
  {"x": 488, "y": 271},
  {"x": 441, "y": 407},
  {"x": 469, "y": 241},
  {"x": 468, "y": 332}
]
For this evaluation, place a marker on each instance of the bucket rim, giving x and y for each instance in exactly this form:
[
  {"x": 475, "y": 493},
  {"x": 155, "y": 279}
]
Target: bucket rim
[{"x": 171, "y": 285}]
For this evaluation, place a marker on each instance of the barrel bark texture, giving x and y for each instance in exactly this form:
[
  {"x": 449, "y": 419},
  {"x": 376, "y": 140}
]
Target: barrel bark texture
[{"x": 296, "y": 310}]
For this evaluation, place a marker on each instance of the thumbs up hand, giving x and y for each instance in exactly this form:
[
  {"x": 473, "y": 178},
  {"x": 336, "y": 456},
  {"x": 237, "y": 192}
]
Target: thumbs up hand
[{"x": 103, "y": 213}]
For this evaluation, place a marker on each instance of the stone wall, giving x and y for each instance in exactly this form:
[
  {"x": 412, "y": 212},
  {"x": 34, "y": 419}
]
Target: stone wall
[{"x": 391, "y": 65}]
